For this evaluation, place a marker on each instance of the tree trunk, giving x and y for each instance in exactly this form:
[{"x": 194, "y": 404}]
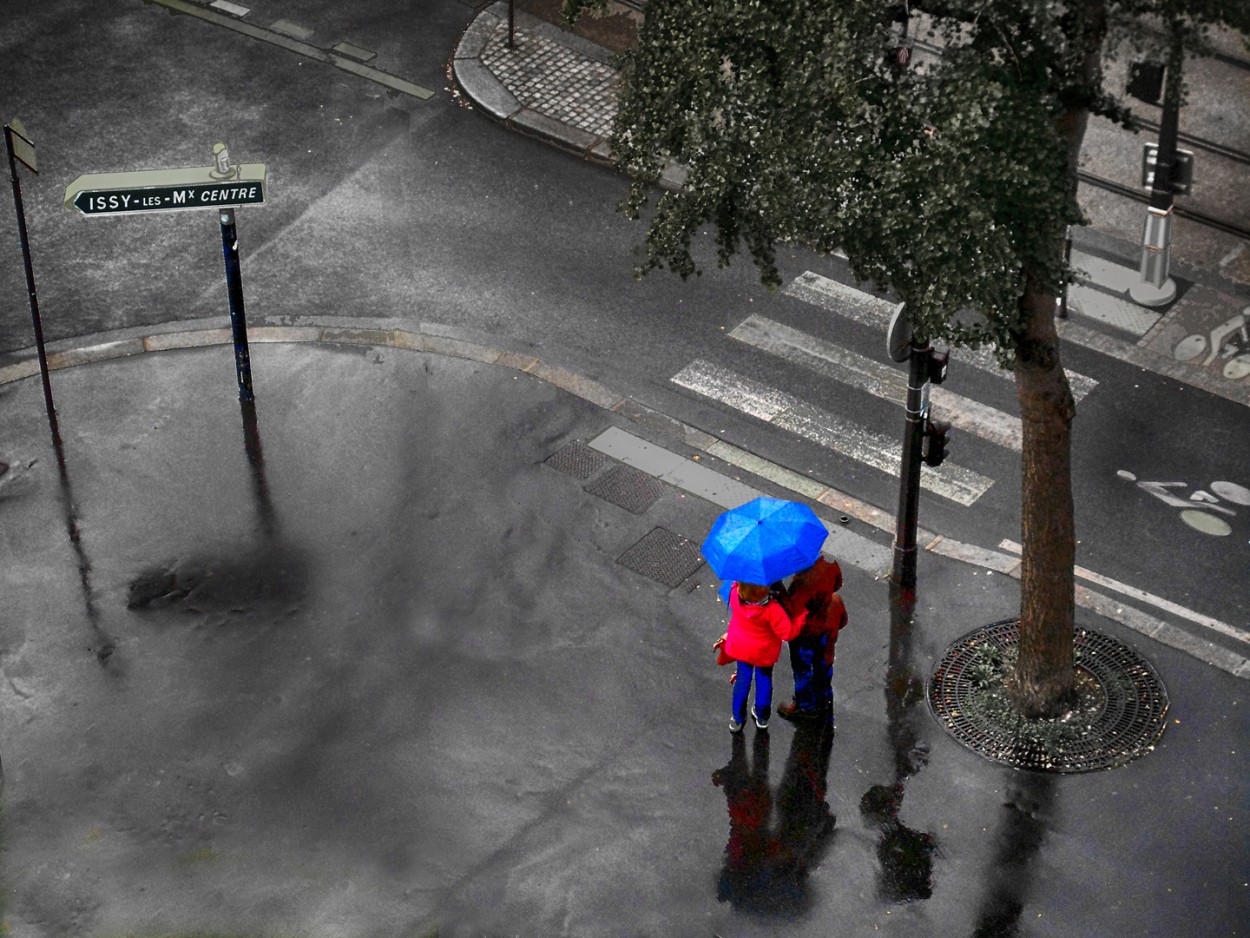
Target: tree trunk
[{"x": 1043, "y": 683}]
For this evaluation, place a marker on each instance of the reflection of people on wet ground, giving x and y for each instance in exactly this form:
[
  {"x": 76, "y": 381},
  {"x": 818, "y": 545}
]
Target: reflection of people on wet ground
[
  {"x": 758, "y": 624},
  {"x": 814, "y": 591},
  {"x": 906, "y": 855},
  {"x": 766, "y": 865}
]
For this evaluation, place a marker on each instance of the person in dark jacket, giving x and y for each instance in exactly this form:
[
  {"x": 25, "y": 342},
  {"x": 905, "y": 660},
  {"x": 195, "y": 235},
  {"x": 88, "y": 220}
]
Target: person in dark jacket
[{"x": 814, "y": 591}]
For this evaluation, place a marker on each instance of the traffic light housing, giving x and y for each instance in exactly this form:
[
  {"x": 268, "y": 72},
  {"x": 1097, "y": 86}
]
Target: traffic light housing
[
  {"x": 933, "y": 449},
  {"x": 937, "y": 365},
  {"x": 1145, "y": 81}
]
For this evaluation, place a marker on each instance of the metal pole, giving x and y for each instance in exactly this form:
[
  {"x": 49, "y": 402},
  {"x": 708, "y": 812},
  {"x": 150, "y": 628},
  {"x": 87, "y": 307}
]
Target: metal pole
[
  {"x": 1067, "y": 262},
  {"x": 238, "y": 319},
  {"x": 1156, "y": 288},
  {"x": 904, "y": 574},
  {"x": 511, "y": 5},
  {"x": 30, "y": 282}
]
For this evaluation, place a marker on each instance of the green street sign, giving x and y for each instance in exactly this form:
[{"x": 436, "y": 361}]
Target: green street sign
[{"x": 160, "y": 190}]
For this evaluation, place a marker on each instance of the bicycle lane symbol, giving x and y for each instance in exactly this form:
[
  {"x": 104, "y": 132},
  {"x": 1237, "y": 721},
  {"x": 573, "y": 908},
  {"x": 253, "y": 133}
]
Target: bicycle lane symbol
[{"x": 1201, "y": 509}]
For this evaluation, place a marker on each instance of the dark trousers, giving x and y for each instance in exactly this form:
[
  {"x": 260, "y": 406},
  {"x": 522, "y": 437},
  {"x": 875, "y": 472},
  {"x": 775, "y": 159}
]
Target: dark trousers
[{"x": 813, "y": 679}]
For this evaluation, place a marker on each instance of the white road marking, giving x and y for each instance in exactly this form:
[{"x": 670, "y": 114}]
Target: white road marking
[
  {"x": 874, "y": 311},
  {"x": 783, "y": 410},
  {"x": 876, "y": 378},
  {"x": 1167, "y": 605}
]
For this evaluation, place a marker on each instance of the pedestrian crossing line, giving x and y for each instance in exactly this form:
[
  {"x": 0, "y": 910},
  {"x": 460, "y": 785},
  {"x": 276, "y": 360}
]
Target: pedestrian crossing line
[
  {"x": 1166, "y": 605},
  {"x": 869, "y": 310},
  {"x": 876, "y": 378},
  {"x": 780, "y": 409}
]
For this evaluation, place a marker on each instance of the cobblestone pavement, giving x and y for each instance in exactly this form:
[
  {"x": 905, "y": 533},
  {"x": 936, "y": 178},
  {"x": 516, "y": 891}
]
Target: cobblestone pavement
[{"x": 553, "y": 79}]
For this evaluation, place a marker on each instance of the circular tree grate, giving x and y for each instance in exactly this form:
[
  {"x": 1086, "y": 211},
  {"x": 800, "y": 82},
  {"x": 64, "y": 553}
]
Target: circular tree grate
[{"x": 1120, "y": 714}]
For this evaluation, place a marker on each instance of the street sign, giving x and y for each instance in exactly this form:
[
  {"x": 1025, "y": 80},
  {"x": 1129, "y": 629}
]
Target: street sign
[
  {"x": 898, "y": 335},
  {"x": 160, "y": 190}
]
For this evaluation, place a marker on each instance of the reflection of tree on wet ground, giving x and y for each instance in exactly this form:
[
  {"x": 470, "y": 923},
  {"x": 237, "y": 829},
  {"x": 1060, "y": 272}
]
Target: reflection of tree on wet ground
[
  {"x": 766, "y": 864},
  {"x": 1029, "y": 807},
  {"x": 906, "y": 855}
]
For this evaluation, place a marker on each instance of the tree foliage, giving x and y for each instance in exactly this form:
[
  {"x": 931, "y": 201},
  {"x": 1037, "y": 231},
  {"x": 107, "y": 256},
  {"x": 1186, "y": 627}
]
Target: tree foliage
[{"x": 948, "y": 182}]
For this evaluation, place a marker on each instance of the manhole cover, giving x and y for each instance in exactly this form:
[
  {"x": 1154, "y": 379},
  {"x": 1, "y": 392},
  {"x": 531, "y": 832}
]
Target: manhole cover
[
  {"x": 630, "y": 488},
  {"x": 578, "y": 460},
  {"x": 1120, "y": 716},
  {"x": 663, "y": 556}
]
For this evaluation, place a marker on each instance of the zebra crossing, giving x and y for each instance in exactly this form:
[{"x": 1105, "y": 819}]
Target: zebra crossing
[{"x": 833, "y": 362}]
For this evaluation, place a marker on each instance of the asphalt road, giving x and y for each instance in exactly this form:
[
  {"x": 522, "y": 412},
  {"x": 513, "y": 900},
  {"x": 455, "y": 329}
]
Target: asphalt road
[{"x": 385, "y": 206}]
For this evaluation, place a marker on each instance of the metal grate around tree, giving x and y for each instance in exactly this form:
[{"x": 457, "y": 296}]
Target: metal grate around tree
[{"x": 1119, "y": 716}]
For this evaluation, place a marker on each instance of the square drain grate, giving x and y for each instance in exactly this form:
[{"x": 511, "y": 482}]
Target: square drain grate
[
  {"x": 663, "y": 556},
  {"x": 578, "y": 460},
  {"x": 630, "y": 488}
]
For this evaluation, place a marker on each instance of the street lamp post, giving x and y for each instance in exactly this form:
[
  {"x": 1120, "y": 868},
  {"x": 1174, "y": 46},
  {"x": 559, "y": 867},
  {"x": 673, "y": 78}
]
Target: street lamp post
[{"x": 1155, "y": 287}]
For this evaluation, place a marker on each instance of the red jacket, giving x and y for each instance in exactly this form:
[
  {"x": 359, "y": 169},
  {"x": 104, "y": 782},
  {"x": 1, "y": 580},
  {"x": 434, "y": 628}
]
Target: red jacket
[
  {"x": 756, "y": 632},
  {"x": 816, "y": 590}
]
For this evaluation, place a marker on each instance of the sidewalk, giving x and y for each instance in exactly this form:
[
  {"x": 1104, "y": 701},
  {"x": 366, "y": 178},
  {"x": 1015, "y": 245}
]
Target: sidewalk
[
  {"x": 561, "y": 88},
  {"x": 415, "y": 657}
]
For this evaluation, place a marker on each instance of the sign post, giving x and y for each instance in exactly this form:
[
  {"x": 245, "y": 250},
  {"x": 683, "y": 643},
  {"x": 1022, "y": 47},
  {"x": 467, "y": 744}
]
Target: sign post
[
  {"x": 223, "y": 186},
  {"x": 22, "y": 149},
  {"x": 238, "y": 318}
]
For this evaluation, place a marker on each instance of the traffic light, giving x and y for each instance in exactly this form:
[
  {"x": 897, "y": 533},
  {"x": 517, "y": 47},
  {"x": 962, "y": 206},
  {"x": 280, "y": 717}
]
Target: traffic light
[
  {"x": 937, "y": 366},
  {"x": 933, "y": 449},
  {"x": 1145, "y": 81},
  {"x": 899, "y": 48}
]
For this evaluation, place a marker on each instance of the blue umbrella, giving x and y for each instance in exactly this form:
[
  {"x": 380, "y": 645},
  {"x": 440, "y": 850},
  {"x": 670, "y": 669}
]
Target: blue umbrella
[{"x": 764, "y": 541}]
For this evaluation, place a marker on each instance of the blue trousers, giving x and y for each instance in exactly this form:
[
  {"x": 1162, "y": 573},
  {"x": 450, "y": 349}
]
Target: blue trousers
[
  {"x": 813, "y": 679},
  {"x": 763, "y": 691}
]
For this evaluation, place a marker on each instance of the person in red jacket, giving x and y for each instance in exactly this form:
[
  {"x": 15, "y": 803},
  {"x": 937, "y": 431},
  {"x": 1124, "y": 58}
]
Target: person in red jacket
[
  {"x": 815, "y": 592},
  {"x": 758, "y": 624}
]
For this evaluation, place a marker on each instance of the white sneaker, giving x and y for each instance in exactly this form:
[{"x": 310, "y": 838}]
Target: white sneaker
[{"x": 735, "y": 726}]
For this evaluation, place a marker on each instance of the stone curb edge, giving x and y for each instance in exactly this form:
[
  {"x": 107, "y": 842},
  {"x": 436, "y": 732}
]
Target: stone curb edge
[
  {"x": 327, "y": 57},
  {"x": 429, "y": 339},
  {"x": 480, "y": 86}
]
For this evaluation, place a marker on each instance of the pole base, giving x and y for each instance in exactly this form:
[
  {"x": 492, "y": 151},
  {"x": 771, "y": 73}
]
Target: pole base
[{"x": 1147, "y": 294}]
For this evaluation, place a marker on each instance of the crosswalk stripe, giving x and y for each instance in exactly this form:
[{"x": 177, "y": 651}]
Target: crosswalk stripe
[
  {"x": 820, "y": 426},
  {"x": 874, "y": 311},
  {"x": 876, "y": 378}
]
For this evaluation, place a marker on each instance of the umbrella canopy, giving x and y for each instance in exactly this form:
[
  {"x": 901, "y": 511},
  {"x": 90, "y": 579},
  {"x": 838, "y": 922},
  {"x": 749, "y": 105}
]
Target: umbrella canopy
[{"x": 764, "y": 541}]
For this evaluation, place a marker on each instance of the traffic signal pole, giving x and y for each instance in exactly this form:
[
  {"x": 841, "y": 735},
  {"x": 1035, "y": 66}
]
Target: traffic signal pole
[{"x": 904, "y": 574}]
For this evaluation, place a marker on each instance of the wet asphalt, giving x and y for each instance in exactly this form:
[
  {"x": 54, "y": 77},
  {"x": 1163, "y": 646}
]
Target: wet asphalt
[{"x": 368, "y": 665}]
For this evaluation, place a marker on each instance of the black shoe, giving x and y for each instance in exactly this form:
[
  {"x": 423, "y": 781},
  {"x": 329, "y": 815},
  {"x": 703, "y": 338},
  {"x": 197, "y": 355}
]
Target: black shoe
[{"x": 795, "y": 714}]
